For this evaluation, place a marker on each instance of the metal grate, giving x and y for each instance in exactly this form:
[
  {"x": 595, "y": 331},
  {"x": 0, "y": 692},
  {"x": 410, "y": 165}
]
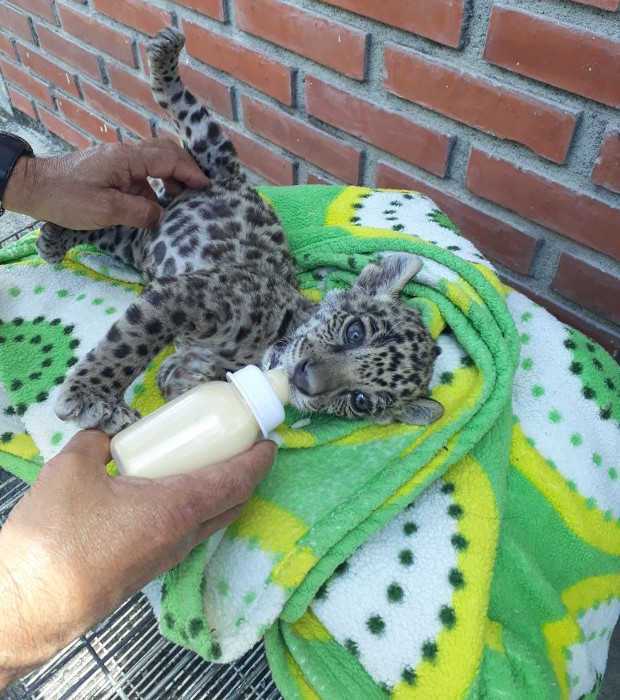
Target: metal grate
[
  {"x": 16, "y": 235},
  {"x": 125, "y": 657}
]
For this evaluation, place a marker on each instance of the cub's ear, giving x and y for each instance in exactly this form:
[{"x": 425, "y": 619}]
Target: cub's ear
[
  {"x": 422, "y": 412},
  {"x": 388, "y": 277}
]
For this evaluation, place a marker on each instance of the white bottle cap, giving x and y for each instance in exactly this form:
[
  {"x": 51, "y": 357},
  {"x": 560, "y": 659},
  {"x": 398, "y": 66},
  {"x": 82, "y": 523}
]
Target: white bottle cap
[{"x": 259, "y": 395}]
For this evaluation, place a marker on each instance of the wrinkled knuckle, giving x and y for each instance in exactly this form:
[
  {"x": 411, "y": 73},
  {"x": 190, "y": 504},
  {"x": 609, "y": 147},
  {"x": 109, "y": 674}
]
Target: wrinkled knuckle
[
  {"x": 183, "y": 516},
  {"x": 242, "y": 486}
]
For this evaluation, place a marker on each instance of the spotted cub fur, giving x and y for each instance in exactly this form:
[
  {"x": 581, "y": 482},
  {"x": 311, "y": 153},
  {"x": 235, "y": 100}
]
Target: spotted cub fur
[{"x": 221, "y": 286}]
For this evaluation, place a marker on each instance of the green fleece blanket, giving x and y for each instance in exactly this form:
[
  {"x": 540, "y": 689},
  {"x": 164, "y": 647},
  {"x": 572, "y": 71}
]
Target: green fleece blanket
[{"x": 475, "y": 557}]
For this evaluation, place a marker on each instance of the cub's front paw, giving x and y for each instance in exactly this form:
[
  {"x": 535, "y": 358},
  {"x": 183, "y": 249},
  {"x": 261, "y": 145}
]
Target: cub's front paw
[
  {"x": 183, "y": 371},
  {"x": 78, "y": 402}
]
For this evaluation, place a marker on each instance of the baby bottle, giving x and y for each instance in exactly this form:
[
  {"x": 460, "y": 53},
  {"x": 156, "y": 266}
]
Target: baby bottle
[{"x": 210, "y": 423}]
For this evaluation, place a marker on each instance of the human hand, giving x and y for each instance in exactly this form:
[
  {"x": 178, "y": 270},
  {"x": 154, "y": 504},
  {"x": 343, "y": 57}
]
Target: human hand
[
  {"x": 101, "y": 186},
  {"x": 80, "y": 542}
]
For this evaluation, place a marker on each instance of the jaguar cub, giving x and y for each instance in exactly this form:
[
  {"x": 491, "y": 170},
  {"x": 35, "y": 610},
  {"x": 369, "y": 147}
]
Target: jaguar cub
[{"x": 221, "y": 286}]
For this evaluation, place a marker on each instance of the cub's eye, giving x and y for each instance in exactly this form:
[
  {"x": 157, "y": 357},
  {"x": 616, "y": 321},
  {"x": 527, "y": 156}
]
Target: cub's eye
[
  {"x": 361, "y": 402},
  {"x": 355, "y": 333}
]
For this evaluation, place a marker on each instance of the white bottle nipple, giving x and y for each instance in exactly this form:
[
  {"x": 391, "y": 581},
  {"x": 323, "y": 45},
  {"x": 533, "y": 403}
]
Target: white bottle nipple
[{"x": 264, "y": 398}]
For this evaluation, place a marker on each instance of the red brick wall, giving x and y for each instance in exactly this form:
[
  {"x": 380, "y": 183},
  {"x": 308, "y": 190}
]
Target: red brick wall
[{"x": 506, "y": 113}]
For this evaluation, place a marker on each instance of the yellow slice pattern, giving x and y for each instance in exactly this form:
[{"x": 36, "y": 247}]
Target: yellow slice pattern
[
  {"x": 461, "y": 648},
  {"x": 564, "y": 633},
  {"x": 589, "y": 524}
]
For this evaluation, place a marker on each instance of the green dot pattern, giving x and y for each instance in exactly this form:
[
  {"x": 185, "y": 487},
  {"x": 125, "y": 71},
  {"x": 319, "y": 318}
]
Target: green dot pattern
[
  {"x": 459, "y": 542},
  {"x": 455, "y": 511},
  {"x": 429, "y": 651},
  {"x": 598, "y": 373},
  {"x": 406, "y": 557},
  {"x": 46, "y": 351},
  {"x": 395, "y": 593},
  {"x": 409, "y": 676},
  {"x": 576, "y": 439},
  {"x": 352, "y": 647},
  {"x": 196, "y": 625},
  {"x": 410, "y": 528},
  {"x": 447, "y": 616},
  {"x": 446, "y": 378},
  {"x": 456, "y": 578},
  {"x": 375, "y": 625}
]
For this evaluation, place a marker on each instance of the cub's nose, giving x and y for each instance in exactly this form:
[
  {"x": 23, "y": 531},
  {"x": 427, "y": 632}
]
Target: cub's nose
[{"x": 301, "y": 378}]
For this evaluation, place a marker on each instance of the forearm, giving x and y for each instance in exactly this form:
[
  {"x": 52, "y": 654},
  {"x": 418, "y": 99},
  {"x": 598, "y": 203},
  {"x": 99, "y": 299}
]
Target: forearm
[
  {"x": 29, "y": 632},
  {"x": 19, "y": 193},
  {"x": 13, "y": 642}
]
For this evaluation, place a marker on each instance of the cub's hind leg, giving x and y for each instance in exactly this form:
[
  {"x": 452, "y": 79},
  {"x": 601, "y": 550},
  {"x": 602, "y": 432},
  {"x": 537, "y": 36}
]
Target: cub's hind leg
[
  {"x": 55, "y": 241},
  {"x": 201, "y": 134}
]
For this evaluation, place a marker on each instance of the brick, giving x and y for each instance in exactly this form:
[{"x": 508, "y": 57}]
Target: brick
[
  {"x": 144, "y": 59},
  {"x": 48, "y": 70},
  {"x": 314, "y": 179},
  {"x": 256, "y": 69},
  {"x": 7, "y": 47},
  {"x": 327, "y": 42},
  {"x": 390, "y": 131},
  {"x": 574, "y": 60},
  {"x": 254, "y": 155},
  {"x": 65, "y": 131},
  {"x": 516, "y": 116},
  {"x": 606, "y": 171},
  {"x": 30, "y": 85},
  {"x": 496, "y": 239},
  {"x": 135, "y": 13},
  {"x": 216, "y": 94},
  {"x": 98, "y": 35},
  {"x": 602, "y": 4},
  {"x": 117, "y": 111},
  {"x": 15, "y": 22},
  {"x": 608, "y": 339},
  {"x": 303, "y": 140},
  {"x": 211, "y": 8},
  {"x": 569, "y": 212},
  {"x": 69, "y": 52},
  {"x": 21, "y": 102},
  {"x": 134, "y": 88},
  {"x": 439, "y": 20},
  {"x": 585, "y": 285},
  {"x": 42, "y": 8},
  {"x": 212, "y": 91},
  {"x": 87, "y": 121}
]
